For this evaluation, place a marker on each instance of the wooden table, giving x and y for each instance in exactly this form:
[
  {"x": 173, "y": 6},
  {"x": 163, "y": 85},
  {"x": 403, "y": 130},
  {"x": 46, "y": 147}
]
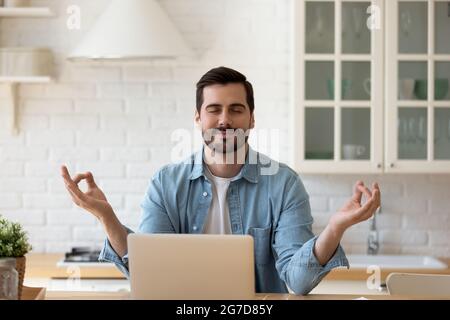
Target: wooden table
[
  {"x": 41, "y": 293},
  {"x": 361, "y": 274},
  {"x": 44, "y": 266}
]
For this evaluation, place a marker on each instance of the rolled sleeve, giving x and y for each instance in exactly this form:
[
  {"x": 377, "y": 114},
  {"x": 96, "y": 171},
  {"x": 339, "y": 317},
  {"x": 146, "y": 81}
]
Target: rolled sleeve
[
  {"x": 108, "y": 254},
  {"x": 304, "y": 271}
]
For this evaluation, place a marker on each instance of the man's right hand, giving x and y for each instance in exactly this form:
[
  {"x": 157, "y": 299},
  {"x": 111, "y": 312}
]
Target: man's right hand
[{"x": 93, "y": 200}]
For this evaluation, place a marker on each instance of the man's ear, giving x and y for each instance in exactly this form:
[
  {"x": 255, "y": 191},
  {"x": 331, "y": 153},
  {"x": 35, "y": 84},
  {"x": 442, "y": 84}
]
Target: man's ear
[
  {"x": 252, "y": 121},
  {"x": 197, "y": 119}
]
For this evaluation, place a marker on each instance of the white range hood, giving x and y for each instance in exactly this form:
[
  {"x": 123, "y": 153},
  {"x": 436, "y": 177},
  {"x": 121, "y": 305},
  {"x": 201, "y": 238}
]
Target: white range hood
[{"x": 132, "y": 29}]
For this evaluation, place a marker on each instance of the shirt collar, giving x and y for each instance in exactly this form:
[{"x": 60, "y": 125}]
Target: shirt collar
[{"x": 249, "y": 170}]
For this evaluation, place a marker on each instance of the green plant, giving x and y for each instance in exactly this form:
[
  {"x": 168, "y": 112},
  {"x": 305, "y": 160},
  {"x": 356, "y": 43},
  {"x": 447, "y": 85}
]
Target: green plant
[{"x": 13, "y": 239}]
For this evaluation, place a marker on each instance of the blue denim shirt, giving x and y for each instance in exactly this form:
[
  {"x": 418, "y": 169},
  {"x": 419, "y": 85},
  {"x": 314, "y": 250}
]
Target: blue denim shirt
[{"x": 267, "y": 200}]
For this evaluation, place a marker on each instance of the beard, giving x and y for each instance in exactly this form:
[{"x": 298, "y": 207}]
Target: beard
[{"x": 225, "y": 140}]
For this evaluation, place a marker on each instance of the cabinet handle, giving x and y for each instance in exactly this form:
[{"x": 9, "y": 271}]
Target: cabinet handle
[
  {"x": 379, "y": 165},
  {"x": 392, "y": 165}
]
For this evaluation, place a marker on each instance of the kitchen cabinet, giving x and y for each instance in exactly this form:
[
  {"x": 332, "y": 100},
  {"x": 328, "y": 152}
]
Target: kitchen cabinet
[
  {"x": 362, "y": 98},
  {"x": 417, "y": 86}
]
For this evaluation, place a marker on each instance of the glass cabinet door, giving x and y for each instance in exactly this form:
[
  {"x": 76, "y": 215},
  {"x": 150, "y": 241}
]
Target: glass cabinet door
[
  {"x": 418, "y": 86},
  {"x": 337, "y": 87}
]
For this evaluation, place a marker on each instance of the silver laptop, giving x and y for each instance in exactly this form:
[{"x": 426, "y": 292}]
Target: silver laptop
[{"x": 191, "y": 267}]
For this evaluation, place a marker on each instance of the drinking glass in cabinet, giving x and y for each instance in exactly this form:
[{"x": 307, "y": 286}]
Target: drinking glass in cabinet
[
  {"x": 356, "y": 37},
  {"x": 413, "y": 27},
  {"x": 319, "y": 27},
  {"x": 412, "y": 133},
  {"x": 442, "y": 133},
  {"x": 442, "y": 27}
]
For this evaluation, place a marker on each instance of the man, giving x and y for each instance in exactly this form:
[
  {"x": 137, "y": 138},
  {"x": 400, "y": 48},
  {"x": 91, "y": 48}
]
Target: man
[{"x": 222, "y": 189}]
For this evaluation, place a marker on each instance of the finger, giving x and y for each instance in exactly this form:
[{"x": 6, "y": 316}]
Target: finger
[
  {"x": 366, "y": 191},
  {"x": 370, "y": 208},
  {"x": 73, "y": 187},
  {"x": 74, "y": 197},
  {"x": 77, "y": 195},
  {"x": 357, "y": 194},
  {"x": 65, "y": 173},
  {"x": 377, "y": 195},
  {"x": 375, "y": 186},
  {"x": 80, "y": 199},
  {"x": 86, "y": 176},
  {"x": 90, "y": 180},
  {"x": 366, "y": 211},
  {"x": 79, "y": 177},
  {"x": 66, "y": 176}
]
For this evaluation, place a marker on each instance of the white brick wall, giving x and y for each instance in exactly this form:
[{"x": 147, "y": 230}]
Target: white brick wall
[{"x": 115, "y": 119}]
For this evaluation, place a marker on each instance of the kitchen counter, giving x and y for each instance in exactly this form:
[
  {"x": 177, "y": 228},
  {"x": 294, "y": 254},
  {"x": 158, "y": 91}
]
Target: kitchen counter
[
  {"x": 361, "y": 274},
  {"x": 105, "y": 282},
  {"x": 30, "y": 293},
  {"x": 44, "y": 266}
]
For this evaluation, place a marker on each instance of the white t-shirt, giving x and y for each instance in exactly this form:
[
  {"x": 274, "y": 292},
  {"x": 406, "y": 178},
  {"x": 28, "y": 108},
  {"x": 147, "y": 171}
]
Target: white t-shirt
[{"x": 218, "y": 220}]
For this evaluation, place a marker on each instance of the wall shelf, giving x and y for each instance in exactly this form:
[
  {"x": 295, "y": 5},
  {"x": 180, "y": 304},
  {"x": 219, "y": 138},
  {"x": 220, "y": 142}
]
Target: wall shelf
[
  {"x": 26, "y": 12},
  {"x": 10, "y": 85},
  {"x": 4, "y": 79}
]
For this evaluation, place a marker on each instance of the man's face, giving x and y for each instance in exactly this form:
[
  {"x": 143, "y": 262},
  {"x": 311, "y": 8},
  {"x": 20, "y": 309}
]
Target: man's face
[{"x": 225, "y": 117}]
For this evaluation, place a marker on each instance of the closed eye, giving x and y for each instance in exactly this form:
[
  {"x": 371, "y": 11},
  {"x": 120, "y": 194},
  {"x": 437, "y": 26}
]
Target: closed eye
[
  {"x": 239, "y": 109},
  {"x": 213, "y": 109}
]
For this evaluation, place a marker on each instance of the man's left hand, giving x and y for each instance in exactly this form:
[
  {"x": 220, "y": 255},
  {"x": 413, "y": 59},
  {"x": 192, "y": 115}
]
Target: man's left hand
[{"x": 354, "y": 211}]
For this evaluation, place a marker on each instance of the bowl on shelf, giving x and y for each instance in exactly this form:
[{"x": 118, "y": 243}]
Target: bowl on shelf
[{"x": 441, "y": 87}]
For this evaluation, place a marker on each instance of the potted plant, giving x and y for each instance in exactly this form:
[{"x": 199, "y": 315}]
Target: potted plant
[{"x": 14, "y": 244}]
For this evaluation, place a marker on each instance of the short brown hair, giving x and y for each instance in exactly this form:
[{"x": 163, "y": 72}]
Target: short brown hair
[{"x": 223, "y": 75}]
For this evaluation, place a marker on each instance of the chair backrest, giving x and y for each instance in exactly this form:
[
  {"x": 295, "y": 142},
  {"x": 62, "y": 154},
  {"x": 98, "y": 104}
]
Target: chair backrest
[{"x": 432, "y": 285}]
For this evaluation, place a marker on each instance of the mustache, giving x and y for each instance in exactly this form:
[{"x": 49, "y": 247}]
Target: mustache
[
  {"x": 210, "y": 133},
  {"x": 225, "y": 128}
]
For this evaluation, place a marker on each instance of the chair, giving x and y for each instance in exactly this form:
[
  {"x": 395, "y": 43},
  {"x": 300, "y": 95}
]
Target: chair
[{"x": 425, "y": 285}]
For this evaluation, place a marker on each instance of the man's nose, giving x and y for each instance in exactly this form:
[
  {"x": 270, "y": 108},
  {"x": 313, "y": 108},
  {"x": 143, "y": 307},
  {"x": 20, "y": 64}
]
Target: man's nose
[{"x": 225, "y": 119}]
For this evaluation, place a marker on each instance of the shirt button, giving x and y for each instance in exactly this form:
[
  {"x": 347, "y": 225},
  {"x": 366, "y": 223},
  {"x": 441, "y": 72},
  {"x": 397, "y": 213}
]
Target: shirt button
[{"x": 205, "y": 194}]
